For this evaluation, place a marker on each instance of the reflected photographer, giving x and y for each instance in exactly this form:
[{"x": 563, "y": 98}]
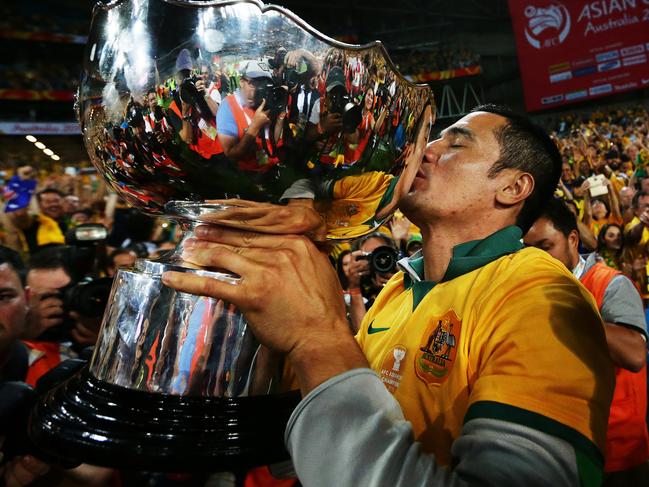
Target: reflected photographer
[{"x": 250, "y": 120}]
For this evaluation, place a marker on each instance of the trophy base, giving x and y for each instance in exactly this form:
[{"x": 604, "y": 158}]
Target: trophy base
[{"x": 95, "y": 422}]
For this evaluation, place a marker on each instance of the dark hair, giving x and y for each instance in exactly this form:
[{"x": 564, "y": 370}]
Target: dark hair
[
  {"x": 339, "y": 269},
  {"x": 12, "y": 259},
  {"x": 602, "y": 232},
  {"x": 636, "y": 199},
  {"x": 378, "y": 235},
  {"x": 49, "y": 190},
  {"x": 120, "y": 251},
  {"x": 51, "y": 258},
  {"x": 527, "y": 147},
  {"x": 560, "y": 216}
]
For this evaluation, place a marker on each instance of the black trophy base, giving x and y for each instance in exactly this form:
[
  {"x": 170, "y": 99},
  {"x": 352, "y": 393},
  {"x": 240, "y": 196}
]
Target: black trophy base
[{"x": 86, "y": 420}]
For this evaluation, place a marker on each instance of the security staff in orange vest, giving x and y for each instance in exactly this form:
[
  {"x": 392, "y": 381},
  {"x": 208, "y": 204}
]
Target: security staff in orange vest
[
  {"x": 627, "y": 441},
  {"x": 247, "y": 131}
]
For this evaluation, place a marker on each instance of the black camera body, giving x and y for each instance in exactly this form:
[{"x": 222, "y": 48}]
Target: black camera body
[
  {"x": 383, "y": 259},
  {"x": 340, "y": 102},
  {"x": 276, "y": 96},
  {"x": 189, "y": 94}
]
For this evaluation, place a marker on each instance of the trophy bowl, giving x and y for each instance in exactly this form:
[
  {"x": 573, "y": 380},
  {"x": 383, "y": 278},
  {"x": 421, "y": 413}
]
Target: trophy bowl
[{"x": 191, "y": 110}]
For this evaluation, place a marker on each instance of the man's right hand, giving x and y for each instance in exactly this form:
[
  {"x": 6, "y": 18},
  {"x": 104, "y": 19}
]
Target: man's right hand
[
  {"x": 260, "y": 120},
  {"x": 356, "y": 270},
  {"x": 331, "y": 123},
  {"x": 45, "y": 311}
]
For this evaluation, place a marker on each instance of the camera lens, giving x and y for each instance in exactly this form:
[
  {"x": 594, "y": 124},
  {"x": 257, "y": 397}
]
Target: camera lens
[{"x": 384, "y": 260}]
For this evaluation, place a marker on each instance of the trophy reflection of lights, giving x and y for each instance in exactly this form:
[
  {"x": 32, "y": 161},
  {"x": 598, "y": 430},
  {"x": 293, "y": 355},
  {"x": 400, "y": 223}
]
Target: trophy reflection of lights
[
  {"x": 398, "y": 355},
  {"x": 178, "y": 382}
]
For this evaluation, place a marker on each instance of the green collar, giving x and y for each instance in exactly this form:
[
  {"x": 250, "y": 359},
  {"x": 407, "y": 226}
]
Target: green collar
[{"x": 467, "y": 257}]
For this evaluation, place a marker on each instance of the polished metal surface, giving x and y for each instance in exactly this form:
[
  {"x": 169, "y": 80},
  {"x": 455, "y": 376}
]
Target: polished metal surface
[
  {"x": 169, "y": 93},
  {"x": 156, "y": 339}
]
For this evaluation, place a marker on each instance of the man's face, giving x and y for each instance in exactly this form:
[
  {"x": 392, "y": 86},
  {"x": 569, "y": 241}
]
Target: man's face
[
  {"x": 152, "y": 102},
  {"x": 51, "y": 205},
  {"x": 626, "y": 196},
  {"x": 643, "y": 204},
  {"x": 544, "y": 236},
  {"x": 378, "y": 279},
  {"x": 248, "y": 91},
  {"x": 70, "y": 204},
  {"x": 453, "y": 181},
  {"x": 122, "y": 260},
  {"x": 13, "y": 306}
]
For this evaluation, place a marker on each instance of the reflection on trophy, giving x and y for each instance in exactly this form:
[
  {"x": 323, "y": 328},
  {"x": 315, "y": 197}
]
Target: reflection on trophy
[{"x": 193, "y": 111}]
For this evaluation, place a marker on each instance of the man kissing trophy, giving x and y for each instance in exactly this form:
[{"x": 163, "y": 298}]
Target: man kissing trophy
[{"x": 240, "y": 114}]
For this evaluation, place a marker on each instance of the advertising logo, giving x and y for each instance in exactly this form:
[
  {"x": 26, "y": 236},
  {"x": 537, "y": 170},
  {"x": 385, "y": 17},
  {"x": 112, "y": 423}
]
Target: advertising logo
[
  {"x": 600, "y": 89},
  {"x": 607, "y": 56},
  {"x": 632, "y": 60},
  {"x": 609, "y": 66},
  {"x": 547, "y": 26},
  {"x": 551, "y": 99}
]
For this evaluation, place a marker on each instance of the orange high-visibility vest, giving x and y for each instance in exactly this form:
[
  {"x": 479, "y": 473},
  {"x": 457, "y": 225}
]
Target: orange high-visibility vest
[
  {"x": 627, "y": 440},
  {"x": 242, "y": 115},
  {"x": 204, "y": 146}
]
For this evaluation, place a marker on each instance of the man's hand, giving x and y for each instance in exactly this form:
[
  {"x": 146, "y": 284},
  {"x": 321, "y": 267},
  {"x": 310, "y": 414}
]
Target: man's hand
[
  {"x": 331, "y": 123},
  {"x": 288, "y": 292},
  {"x": 22, "y": 471},
  {"x": 356, "y": 270},
  {"x": 86, "y": 330},
  {"x": 45, "y": 311},
  {"x": 260, "y": 120},
  {"x": 298, "y": 217}
]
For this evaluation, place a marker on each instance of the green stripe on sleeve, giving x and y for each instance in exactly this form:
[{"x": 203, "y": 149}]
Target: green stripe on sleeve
[{"x": 590, "y": 461}]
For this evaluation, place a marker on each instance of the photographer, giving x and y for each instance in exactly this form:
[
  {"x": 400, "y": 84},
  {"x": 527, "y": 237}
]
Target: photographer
[
  {"x": 336, "y": 132},
  {"x": 250, "y": 120},
  {"x": 370, "y": 267},
  {"x": 190, "y": 112},
  {"x": 48, "y": 276}
]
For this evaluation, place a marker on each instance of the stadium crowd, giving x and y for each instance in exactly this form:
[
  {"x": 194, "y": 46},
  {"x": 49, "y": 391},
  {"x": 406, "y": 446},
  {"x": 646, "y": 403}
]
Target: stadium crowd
[
  {"x": 604, "y": 181},
  {"x": 442, "y": 59}
]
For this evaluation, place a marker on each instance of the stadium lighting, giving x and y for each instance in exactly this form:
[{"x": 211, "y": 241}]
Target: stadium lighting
[
  {"x": 55, "y": 157},
  {"x": 40, "y": 145},
  {"x": 31, "y": 138},
  {"x": 48, "y": 152}
]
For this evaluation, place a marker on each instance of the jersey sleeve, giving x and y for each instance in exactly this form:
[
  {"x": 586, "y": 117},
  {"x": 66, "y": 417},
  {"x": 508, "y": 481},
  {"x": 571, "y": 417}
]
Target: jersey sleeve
[{"x": 546, "y": 324}]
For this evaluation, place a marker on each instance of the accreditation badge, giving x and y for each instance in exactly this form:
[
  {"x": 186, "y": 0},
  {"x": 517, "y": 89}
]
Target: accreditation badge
[{"x": 435, "y": 355}]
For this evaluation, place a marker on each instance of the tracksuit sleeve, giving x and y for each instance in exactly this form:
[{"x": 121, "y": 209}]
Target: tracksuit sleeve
[{"x": 350, "y": 431}]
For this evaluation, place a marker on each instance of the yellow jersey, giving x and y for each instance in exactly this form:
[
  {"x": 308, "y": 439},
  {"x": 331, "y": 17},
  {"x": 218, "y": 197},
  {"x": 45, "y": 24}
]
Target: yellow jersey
[{"x": 508, "y": 334}]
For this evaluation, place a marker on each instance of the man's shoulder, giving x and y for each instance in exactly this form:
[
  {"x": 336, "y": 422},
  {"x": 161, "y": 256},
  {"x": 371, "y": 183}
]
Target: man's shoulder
[{"x": 530, "y": 261}]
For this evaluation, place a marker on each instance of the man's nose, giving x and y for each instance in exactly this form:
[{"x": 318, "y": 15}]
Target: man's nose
[{"x": 432, "y": 150}]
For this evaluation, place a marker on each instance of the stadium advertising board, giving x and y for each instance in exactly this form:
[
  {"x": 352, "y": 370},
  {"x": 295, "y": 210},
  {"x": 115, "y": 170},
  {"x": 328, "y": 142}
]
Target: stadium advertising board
[{"x": 571, "y": 50}]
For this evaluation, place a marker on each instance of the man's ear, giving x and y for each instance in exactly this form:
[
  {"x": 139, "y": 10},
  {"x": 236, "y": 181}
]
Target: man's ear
[
  {"x": 517, "y": 187},
  {"x": 573, "y": 240}
]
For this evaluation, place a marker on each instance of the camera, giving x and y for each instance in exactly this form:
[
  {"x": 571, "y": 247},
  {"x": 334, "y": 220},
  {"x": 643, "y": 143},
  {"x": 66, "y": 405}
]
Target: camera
[
  {"x": 276, "y": 96},
  {"x": 340, "y": 102},
  {"x": 383, "y": 259},
  {"x": 189, "y": 94}
]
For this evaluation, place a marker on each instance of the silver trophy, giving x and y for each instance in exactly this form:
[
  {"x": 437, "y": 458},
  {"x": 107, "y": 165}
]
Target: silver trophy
[{"x": 191, "y": 110}]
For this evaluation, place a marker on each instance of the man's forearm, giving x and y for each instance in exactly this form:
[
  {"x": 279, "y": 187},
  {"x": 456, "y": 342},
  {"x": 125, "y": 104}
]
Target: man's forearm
[
  {"x": 325, "y": 355},
  {"x": 245, "y": 147},
  {"x": 626, "y": 346}
]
